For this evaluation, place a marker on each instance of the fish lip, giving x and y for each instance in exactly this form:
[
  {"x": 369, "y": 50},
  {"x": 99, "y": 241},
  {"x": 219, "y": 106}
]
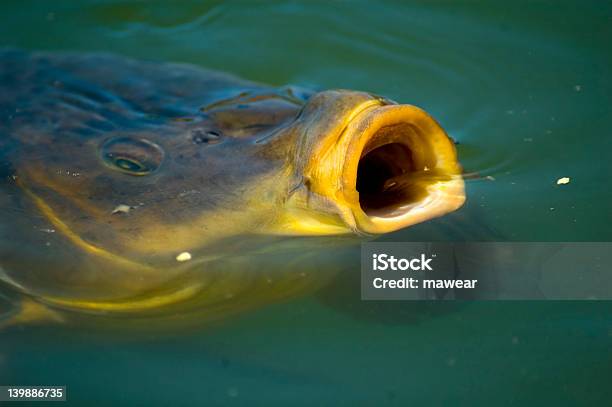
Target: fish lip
[{"x": 442, "y": 196}]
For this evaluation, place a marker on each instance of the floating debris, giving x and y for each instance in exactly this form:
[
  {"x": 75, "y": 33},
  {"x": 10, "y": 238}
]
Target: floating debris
[
  {"x": 577, "y": 88},
  {"x": 121, "y": 209},
  {"x": 185, "y": 256},
  {"x": 528, "y": 139},
  {"x": 563, "y": 181},
  {"x": 490, "y": 178}
]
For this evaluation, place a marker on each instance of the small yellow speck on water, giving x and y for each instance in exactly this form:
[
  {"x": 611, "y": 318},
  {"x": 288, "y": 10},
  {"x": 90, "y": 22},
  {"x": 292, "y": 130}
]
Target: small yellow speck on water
[
  {"x": 121, "y": 209},
  {"x": 185, "y": 256},
  {"x": 563, "y": 181}
]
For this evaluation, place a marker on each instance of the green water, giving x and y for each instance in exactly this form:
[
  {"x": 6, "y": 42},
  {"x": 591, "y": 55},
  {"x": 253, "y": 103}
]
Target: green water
[{"x": 525, "y": 89}]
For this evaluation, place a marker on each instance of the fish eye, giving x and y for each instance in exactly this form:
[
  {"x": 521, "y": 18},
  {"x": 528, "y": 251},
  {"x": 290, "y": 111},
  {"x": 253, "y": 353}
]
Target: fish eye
[
  {"x": 129, "y": 164},
  {"x": 132, "y": 156}
]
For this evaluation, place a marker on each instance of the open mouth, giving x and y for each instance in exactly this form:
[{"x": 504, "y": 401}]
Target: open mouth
[
  {"x": 384, "y": 175},
  {"x": 401, "y": 169}
]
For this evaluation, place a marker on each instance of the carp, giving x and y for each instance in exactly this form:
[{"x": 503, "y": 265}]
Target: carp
[{"x": 147, "y": 191}]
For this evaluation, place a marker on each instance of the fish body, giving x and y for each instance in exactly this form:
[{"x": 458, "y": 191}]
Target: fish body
[{"x": 132, "y": 189}]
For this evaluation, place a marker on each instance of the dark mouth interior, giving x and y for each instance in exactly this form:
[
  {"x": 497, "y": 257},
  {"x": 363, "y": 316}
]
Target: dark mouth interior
[{"x": 384, "y": 179}]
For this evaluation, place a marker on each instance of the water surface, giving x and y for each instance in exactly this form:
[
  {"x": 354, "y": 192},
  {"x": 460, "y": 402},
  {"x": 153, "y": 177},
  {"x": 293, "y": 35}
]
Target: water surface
[{"x": 525, "y": 90}]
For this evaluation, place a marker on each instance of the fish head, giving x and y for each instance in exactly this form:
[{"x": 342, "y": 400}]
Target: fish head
[{"x": 365, "y": 165}]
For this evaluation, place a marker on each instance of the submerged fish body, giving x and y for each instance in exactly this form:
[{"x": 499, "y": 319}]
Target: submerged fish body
[{"x": 133, "y": 188}]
